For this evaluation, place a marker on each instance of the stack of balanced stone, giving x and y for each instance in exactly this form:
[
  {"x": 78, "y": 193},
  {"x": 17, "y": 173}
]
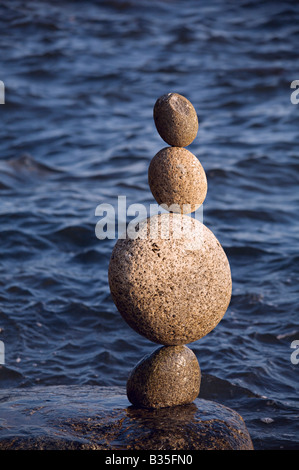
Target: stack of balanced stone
[{"x": 171, "y": 282}]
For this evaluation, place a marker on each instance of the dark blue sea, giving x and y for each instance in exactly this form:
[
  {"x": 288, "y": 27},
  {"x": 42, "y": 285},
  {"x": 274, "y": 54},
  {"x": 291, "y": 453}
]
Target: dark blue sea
[{"x": 81, "y": 79}]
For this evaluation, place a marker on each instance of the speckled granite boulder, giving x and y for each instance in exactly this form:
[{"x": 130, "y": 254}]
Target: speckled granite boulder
[
  {"x": 175, "y": 119},
  {"x": 176, "y": 178},
  {"x": 171, "y": 285},
  {"x": 101, "y": 418},
  {"x": 169, "y": 376}
]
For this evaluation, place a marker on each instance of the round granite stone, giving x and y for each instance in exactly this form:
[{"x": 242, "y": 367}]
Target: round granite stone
[
  {"x": 169, "y": 376},
  {"x": 171, "y": 279},
  {"x": 177, "y": 180},
  {"x": 176, "y": 120}
]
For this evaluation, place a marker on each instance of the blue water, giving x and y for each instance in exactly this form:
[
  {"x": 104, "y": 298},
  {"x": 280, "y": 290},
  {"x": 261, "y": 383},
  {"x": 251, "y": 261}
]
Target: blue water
[{"x": 81, "y": 80}]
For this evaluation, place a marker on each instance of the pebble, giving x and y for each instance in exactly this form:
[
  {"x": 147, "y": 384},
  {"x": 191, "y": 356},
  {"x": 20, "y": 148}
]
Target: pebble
[
  {"x": 173, "y": 283},
  {"x": 175, "y": 119},
  {"x": 169, "y": 376},
  {"x": 176, "y": 178}
]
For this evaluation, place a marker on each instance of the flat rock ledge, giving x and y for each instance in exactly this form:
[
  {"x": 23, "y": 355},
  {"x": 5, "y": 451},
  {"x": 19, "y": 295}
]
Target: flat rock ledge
[{"x": 101, "y": 418}]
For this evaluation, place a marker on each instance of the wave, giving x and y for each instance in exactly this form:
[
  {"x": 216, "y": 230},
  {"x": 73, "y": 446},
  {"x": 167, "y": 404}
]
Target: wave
[{"x": 29, "y": 164}]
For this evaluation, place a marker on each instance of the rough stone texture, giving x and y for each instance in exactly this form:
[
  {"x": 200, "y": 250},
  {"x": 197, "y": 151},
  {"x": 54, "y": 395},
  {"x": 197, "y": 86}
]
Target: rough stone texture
[
  {"x": 173, "y": 287},
  {"x": 169, "y": 376},
  {"x": 177, "y": 178},
  {"x": 176, "y": 120},
  {"x": 101, "y": 418}
]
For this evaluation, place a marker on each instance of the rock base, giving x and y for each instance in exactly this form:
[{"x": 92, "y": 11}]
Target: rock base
[{"x": 101, "y": 418}]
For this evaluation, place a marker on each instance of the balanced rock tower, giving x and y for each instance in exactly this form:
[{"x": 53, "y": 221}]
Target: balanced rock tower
[{"x": 171, "y": 280}]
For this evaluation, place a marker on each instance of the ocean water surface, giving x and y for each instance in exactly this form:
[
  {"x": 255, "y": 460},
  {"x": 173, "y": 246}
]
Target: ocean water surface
[{"x": 81, "y": 80}]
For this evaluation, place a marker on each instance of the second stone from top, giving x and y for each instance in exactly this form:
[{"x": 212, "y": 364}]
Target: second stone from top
[
  {"x": 177, "y": 180},
  {"x": 176, "y": 120}
]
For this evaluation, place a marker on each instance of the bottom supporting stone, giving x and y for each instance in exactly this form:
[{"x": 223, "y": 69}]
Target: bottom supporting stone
[{"x": 101, "y": 418}]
